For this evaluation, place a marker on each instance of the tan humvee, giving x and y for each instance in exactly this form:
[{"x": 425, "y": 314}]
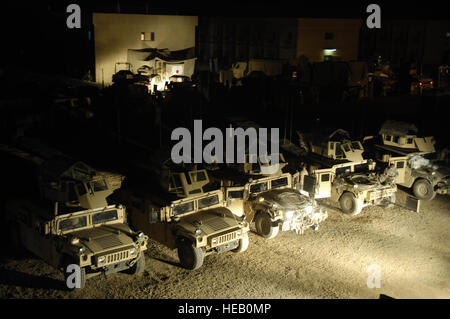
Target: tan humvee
[
  {"x": 424, "y": 177},
  {"x": 97, "y": 240},
  {"x": 354, "y": 185},
  {"x": 65, "y": 226},
  {"x": 273, "y": 203},
  {"x": 339, "y": 148},
  {"x": 197, "y": 225}
]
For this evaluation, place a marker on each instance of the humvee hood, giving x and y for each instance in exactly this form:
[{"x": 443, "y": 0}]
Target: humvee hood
[
  {"x": 287, "y": 199},
  {"x": 103, "y": 238},
  {"x": 210, "y": 221}
]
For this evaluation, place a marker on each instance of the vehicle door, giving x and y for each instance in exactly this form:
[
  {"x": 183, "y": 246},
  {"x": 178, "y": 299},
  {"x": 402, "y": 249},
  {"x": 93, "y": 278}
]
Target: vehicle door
[
  {"x": 400, "y": 164},
  {"x": 235, "y": 199},
  {"x": 323, "y": 182}
]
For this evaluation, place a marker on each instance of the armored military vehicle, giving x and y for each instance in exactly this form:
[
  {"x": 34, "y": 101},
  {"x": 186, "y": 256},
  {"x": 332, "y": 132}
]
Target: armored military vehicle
[
  {"x": 424, "y": 176},
  {"x": 186, "y": 217},
  {"x": 70, "y": 221},
  {"x": 354, "y": 185},
  {"x": 273, "y": 203},
  {"x": 334, "y": 144}
]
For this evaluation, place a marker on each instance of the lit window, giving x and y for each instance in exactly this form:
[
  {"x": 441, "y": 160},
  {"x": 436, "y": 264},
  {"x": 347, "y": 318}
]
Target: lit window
[{"x": 148, "y": 36}]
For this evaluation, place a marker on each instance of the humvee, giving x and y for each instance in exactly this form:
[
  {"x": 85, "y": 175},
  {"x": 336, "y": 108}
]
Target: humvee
[
  {"x": 354, "y": 185},
  {"x": 193, "y": 221},
  {"x": 335, "y": 145},
  {"x": 273, "y": 203},
  {"x": 419, "y": 173},
  {"x": 70, "y": 221}
]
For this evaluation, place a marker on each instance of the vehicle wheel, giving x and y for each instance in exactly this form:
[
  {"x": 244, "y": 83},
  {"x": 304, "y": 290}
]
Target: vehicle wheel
[
  {"x": 139, "y": 266},
  {"x": 67, "y": 275},
  {"x": 190, "y": 257},
  {"x": 423, "y": 190},
  {"x": 243, "y": 244},
  {"x": 350, "y": 205},
  {"x": 264, "y": 226}
]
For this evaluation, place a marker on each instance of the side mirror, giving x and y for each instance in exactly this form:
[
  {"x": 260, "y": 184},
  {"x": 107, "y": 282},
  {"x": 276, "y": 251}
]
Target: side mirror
[
  {"x": 298, "y": 186},
  {"x": 246, "y": 194},
  {"x": 228, "y": 203}
]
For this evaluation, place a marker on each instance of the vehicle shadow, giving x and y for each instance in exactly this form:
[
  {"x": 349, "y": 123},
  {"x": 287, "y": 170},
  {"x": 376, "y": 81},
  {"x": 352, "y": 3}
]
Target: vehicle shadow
[
  {"x": 16, "y": 278},
  {"x": 169, "y": 262}
]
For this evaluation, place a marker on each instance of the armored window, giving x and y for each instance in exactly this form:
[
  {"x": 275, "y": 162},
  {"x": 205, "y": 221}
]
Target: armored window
[
  {"x": 236, "y": 194},
  {"x": 260, "y": 187},
  {"x": 99, "y": 186},
  {"x": 409, "y": 141},
  {"x": 331, "y": 146},
  {"x": 361, "y": 168},
  {"x": 388, "y": 138},
  {"x": 325, "y": 177},
  {"x": 400, "y": 164},
  {"x": 356, "y": 146},
  {"x": 148, "y": 36},
  {"x": 183, "y": 208},
  {"x": 72, "y": 223},
  {"x": 342, "y": 170},
  {"x": 81, "y": 189},
  {"x": 396, "y": 138},
  {"x": 104, "y": 217},
  {"x": 208, "y": 201},
  {"x": 198, "y": 176},
  {"x": 176, "y": 180},
  {"x": 346, "y": 147},
  {"x": 279, "y": 182}
]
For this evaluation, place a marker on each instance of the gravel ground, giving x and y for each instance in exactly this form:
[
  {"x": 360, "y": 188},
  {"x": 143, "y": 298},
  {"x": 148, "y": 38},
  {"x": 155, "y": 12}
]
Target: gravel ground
[{"x": 411, "y": 249}]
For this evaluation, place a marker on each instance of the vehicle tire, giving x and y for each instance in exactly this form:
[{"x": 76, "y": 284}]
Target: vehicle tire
[
  {"x": 82, "y": 277},
  {"x": 423, "y": 190},
  {"x": 264, "y": 226},
  {"x": 190, "y": 257},
  {"x": 350, "y": 205},
  {"x": 243, "y": 244},
  {"x": 139, "y": 266}
]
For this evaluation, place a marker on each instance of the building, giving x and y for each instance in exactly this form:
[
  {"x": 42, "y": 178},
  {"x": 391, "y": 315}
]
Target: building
[
  {"x": 424, "y": 41},
  {"x": 232, "y": 39},
  {"x": 328, "y": 39},
  {"x": 115, "y": 34}
]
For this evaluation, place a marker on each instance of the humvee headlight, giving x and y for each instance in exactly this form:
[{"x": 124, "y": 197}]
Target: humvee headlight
[
  {"x": 214, "y": 241},
  {"x": 133, "y": 252},
  {"x": 140, "y": 235},
  {"x": 75, "y": 240},
  {"x": 309, "y": 209},
  {"x": 81, "y": 250},
  {"x": 289, "y": 214},
  {"x": 238, "y": 233},
  {"x": 198, "y": 231},
  {"x": 274, "y": 206},
  {"x": 355, "y": 186},
  {"x": 101, "y": 260},
  {"x": 261, "y": 199}
]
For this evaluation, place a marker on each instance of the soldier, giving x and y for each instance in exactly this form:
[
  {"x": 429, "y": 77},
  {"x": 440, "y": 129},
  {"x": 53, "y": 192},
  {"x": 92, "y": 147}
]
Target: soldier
[
  {"x": 390, "y": 174},
  {"x": 303, "y": 173}
]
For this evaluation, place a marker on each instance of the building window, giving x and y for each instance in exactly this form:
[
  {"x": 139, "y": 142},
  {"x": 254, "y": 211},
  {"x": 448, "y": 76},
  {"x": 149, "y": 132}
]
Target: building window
[
  {"x": 329, "y": 35},
  {"x": 148, "y": 36}
]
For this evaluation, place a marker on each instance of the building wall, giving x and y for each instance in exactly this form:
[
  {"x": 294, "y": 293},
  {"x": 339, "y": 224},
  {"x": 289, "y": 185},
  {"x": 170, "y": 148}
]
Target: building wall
[
  {"x": 115, "y": 33},
  {"x": 311, "y": 40},
  {"x": 240, "y": 39}
]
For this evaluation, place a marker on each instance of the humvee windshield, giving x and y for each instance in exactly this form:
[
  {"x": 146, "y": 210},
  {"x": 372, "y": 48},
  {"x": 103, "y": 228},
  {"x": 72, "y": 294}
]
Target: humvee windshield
[
  {"x": 342, "y": 170},
  {"x": 183, "y": 208},
  {"x": 356, "y": 146},
  {"x": 260, "y": 187},
  {"x": 208, "y": 201},
  {"x": 99, "y": 186},
  {"x": 104, "y": 217},
  {"x": 360, "y": 168},
  {"x": 72, "y": 223},
  {"x": 236, "y": 194},
  {"x": 279, "y": 182},
  {"x": 197, "y": 176}
]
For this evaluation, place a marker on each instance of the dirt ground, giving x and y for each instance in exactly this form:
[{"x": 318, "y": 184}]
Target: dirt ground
[{"x": 411, "y": 249}]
